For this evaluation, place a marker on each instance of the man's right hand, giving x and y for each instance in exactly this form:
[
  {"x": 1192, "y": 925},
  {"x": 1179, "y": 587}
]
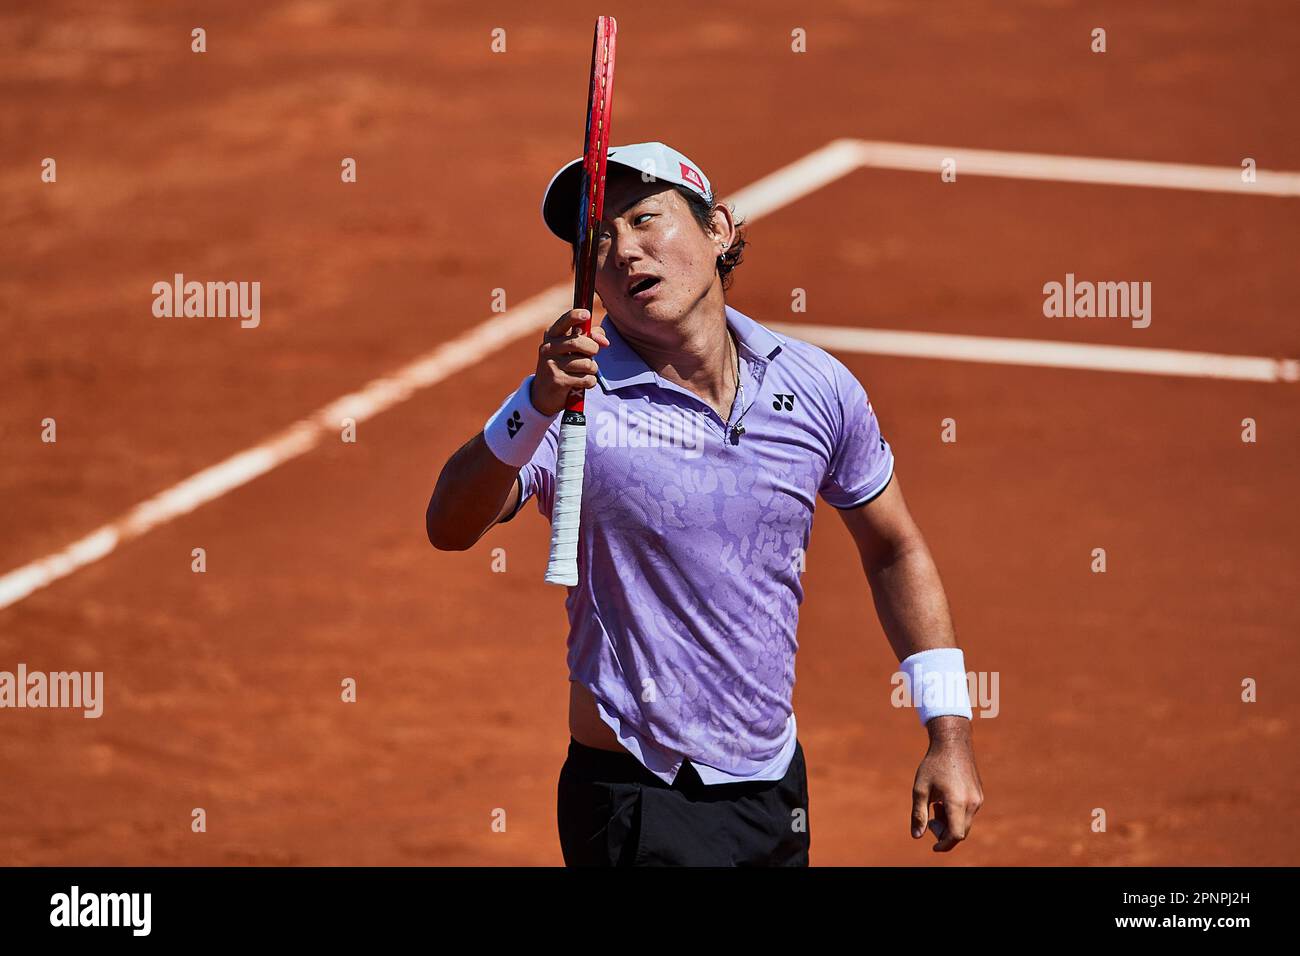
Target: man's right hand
[{"x": 566, "y": 361}]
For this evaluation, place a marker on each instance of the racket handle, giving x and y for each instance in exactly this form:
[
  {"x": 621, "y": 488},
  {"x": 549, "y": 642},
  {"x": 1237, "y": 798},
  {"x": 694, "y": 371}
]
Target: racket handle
[{"x": 567, "y": 507}]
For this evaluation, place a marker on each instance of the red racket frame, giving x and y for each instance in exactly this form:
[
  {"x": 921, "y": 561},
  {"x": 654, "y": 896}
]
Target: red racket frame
[{"x": 600, "y": 104}]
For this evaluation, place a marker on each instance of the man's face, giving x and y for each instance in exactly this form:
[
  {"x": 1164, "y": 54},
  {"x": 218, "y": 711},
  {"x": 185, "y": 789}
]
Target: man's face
[{"x": 653, "y": 261}]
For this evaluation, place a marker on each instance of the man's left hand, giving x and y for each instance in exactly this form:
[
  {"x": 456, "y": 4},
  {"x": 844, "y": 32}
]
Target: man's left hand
[{"x": 948, "y": 782}]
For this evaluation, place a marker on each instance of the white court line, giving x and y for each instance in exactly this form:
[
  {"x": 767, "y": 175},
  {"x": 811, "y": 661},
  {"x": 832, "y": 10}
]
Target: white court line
[
  {"x": 1068, "y": 169},
  {"x": 768, "y": 194},
  {"x": 1101, "y": 358},
  {"x": 298, "y": 439}
]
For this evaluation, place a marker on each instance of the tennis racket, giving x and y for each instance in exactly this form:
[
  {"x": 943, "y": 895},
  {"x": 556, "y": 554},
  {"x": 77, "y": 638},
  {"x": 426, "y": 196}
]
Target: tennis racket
[{"x": 567, "y": 507}]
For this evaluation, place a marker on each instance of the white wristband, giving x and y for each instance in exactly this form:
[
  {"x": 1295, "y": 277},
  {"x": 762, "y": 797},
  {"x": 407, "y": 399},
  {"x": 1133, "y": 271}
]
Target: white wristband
[
  {"x": 937, "y": 681},
  {"x": 517, "y": 428}
]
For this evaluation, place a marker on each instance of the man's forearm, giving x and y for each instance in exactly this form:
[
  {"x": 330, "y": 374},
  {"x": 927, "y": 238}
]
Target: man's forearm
[
  {"x": 470, "y": 492},
  {"x": 913, "y": 611},
  {"x": 910, "y": 601}
]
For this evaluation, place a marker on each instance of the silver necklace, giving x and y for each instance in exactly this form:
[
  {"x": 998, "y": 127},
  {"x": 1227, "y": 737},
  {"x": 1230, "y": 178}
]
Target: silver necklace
[{"x": 738, "y": 400}]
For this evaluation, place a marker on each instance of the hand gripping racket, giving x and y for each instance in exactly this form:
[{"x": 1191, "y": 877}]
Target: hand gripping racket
[{"x": 567, "y": 507}]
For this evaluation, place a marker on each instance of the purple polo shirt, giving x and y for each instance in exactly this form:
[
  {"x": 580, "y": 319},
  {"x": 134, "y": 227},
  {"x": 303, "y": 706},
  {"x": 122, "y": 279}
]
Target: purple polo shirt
[{"x": 683, "y": 622}]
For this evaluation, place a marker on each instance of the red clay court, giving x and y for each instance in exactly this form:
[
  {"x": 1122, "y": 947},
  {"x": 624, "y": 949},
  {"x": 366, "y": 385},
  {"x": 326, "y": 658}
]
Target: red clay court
[{"x": 1120, "y": 691}]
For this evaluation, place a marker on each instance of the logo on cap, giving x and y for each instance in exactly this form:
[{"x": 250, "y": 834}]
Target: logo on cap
[{"x": 692, "y": 177}]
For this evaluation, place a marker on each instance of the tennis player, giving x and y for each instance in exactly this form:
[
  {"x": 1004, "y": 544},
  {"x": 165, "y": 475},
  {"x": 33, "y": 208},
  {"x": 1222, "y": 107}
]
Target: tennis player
[{"x": 709, "y": 438}]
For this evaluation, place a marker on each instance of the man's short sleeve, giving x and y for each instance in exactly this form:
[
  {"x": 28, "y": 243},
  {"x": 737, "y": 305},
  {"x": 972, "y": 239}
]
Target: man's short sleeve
[
  {"x": 862, "y": 462},
  {"x": 538, "y": 476}
]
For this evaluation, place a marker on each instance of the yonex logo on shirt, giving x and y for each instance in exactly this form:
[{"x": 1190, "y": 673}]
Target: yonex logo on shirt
[{"x": 781, "y": 401}]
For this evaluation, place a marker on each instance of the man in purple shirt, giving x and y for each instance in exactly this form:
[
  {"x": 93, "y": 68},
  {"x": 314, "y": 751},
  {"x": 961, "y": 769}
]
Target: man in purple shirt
[{"x": 709, "y": 438}]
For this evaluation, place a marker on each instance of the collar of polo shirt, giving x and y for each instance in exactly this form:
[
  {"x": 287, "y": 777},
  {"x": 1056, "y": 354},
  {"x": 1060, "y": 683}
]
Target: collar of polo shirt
[{"x": 620, "y": 366}]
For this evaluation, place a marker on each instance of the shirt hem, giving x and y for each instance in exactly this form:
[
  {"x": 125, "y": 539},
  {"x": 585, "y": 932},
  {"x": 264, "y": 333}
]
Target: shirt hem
[{"x": 775, "y": 769}]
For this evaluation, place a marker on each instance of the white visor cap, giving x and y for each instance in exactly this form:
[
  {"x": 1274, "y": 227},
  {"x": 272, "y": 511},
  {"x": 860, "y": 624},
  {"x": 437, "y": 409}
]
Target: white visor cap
[{"x": 657, "y": 160}]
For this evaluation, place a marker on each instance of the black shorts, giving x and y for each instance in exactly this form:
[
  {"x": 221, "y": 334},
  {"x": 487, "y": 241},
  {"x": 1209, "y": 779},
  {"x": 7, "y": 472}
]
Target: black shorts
[{"x": 612, "y": 811}]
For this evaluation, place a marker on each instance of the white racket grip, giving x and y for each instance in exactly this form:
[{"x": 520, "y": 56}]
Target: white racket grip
[{"x": 567, "y": 506}]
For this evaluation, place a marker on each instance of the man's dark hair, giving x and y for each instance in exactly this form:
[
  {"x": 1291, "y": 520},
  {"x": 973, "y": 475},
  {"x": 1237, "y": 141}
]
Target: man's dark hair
[{"x": 702, "y": 210}]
